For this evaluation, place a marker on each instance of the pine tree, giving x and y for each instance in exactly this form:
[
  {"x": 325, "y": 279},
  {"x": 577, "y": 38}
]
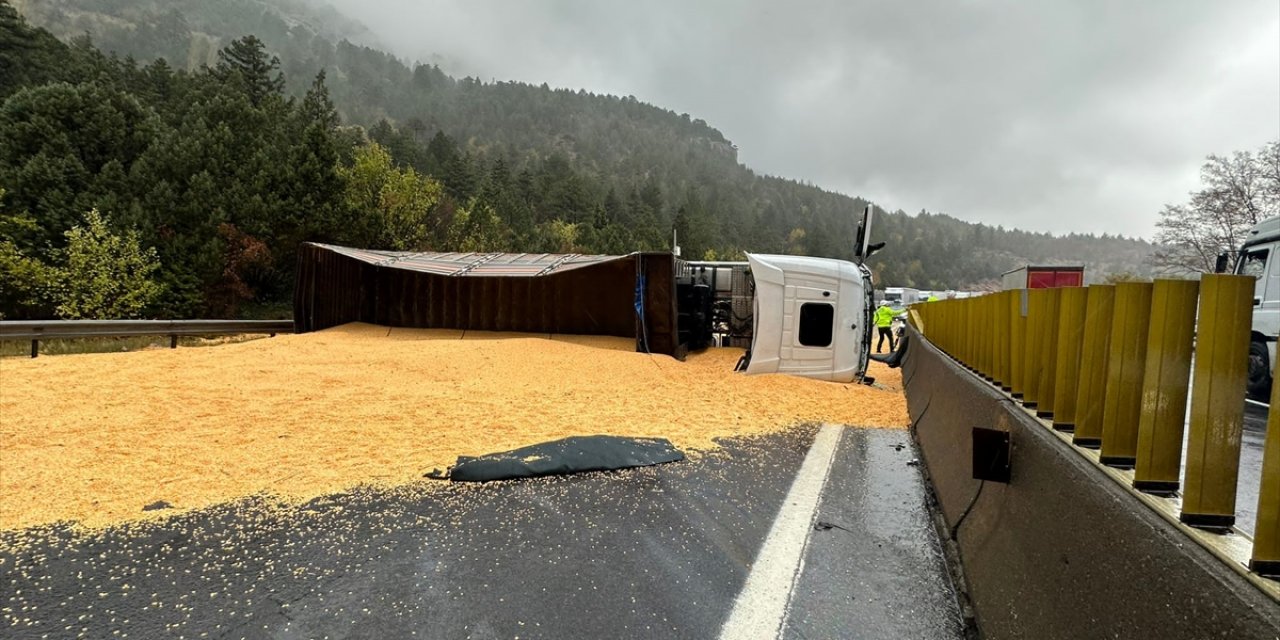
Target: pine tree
[
  {"x": 245, "y": 62},
  {"x": 317, "y": 106}
]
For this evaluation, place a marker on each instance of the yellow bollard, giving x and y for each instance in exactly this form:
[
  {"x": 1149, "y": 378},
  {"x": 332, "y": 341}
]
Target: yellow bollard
[
  {"x": 1266, "y": 533},
  {"x": 1000, "y": 311},
  {"x": 1017, "y": 340},
  {"x": 1217, "y": 400},
  {"x": 946, "y": 328},
  {"x": 1126, "y": 363},
  {"x": 1048, "y": 354},
  {"x": 987, "y": 328},
  {"x": 957, "y": 330},
  {"x": 1071, "y": 314},
  {"x": 975, "y": 326},
  {"x": 1092, "y": 393},
  {"x": 975, "y": 330},
  {"x": 938, "y": 325},
  {"x": 1165, "y": 380},
  {"x": 1031, "y": 351},
  {"x": 974, "y": 337}
]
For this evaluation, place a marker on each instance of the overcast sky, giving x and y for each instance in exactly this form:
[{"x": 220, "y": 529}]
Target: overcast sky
[{"x": 1062, "y": 115}]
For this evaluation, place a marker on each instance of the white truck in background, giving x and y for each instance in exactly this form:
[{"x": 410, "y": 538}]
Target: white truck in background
[
  {"x": 900, "y": 297},
  {"x": 1258, "y": 257}
]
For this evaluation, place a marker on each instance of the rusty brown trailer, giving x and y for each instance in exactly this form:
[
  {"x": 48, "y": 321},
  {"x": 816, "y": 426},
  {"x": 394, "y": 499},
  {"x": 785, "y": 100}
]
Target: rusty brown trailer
[{"x": 529, "y": 293}]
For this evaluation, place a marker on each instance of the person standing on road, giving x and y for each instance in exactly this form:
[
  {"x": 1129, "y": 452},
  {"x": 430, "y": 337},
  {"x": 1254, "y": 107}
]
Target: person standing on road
[{"x": 884, "y": 325}]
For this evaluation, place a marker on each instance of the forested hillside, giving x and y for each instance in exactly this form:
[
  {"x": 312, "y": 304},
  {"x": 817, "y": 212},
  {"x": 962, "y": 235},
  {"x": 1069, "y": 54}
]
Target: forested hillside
[{"x": 162, "y": 116}]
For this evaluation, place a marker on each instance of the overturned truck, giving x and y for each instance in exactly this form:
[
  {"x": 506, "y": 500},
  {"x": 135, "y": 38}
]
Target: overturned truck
[{"x": 794, "y": 315}]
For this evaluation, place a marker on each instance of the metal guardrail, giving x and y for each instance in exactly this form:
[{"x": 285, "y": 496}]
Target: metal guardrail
[
  {"x": 37, "y": 330},
  {"x": 1112, "y": 365}
]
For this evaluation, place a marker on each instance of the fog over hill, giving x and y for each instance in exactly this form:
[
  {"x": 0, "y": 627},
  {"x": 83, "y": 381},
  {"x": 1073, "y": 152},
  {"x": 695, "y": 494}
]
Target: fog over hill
[
  {"x": 516, "y": 165},
  {"x": 1077, "y": 116}
]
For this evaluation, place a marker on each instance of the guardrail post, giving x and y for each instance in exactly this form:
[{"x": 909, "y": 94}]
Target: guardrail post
[
  {"x": 1217, "y": 401},
  {"x": 1017, "y": 341},
  {"x": 1048, "y": 354},
  {"x": 1126, "y": 362},
  {"x": 983, "y": 332},
  {"x": 1266, "y": 532},
  {"x": 970, "y": 335},
  {"x": 173, "y": 342},
  {"x": 1092, "y": 394},
  {"x": 1164, "y": 386},
  {"x": 1002, "y": 319},
  {"x": 1071, "y": 313},
  {"x": 938, "y": 329},
  {"x": 988, "y": 337},
  {"x": 35, "y": 348},
  {"x": 1034, "y": 343}
]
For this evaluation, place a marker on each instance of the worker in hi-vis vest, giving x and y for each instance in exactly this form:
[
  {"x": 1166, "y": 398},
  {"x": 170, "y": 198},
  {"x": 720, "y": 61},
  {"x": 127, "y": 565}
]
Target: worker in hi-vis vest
[{"x": 884, "y": 323}]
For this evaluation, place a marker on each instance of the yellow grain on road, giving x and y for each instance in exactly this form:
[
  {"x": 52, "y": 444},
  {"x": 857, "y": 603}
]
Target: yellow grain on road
[{"x": 94, "y": 438}]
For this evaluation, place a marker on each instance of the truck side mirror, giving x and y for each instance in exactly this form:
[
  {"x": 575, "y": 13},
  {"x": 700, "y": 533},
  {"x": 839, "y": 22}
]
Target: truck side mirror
[
  {"x": 872, "y": 248},
  {"x": 1221, "y": 265},
  {"x": 862, "y": 240}
]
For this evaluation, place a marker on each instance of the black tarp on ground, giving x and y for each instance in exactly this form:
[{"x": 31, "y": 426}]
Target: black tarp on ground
[{"x": 568, "y": 455}]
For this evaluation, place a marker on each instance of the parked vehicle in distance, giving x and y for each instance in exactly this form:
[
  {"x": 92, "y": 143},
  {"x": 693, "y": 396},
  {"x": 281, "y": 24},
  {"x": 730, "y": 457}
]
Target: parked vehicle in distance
[
  {"x": 1043, "y": 277},
  {"x": 1257, "y": 258},
  {"x": 899, "y": 297}
]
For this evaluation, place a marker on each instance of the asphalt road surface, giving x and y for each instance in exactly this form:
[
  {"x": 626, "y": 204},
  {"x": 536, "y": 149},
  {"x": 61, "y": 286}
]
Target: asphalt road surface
[{"x": 660, "y": 552}]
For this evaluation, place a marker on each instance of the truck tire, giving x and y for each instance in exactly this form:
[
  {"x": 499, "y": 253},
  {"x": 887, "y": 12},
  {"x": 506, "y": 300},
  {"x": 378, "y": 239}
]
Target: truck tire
[{"x": 1259, "y": 371}]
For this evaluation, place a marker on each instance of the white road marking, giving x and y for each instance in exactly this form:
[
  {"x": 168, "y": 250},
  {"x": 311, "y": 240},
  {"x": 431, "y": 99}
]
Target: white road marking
[
  {"x": 761, "y": 609},
  {"x": 1256, "y": 403}
]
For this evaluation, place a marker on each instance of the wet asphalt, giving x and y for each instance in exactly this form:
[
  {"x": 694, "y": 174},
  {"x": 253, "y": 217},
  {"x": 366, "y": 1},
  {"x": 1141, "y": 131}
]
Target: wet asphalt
[
  {"x": 659, "y": 552},
  {"x": 1250, "y": 478},
  {"x": 874, "y": 567}
]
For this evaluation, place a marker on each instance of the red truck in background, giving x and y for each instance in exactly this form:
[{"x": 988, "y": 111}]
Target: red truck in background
[{"x": 1042, "y": 277}]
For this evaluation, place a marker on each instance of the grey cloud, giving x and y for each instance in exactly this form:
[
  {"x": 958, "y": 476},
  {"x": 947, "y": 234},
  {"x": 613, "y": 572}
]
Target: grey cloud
[{"x": 1063, "y": 116}]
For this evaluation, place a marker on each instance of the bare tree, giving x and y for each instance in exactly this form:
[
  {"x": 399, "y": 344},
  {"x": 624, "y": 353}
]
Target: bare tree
[
  {"x": 1239, "y": 191},
  {"x": 1269, "y": 159}
]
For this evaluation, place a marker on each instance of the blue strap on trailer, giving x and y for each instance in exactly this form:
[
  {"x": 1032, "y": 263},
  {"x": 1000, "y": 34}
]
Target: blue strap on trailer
[{"x": 640, "y": 288}]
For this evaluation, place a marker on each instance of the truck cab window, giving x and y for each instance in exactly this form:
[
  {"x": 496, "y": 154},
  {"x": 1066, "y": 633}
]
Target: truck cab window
[
  {"x": 817, "y": 319},
  {"x": 1254, "y": 263}
]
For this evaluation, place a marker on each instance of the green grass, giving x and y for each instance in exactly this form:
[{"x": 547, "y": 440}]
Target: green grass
[{"x": 57, "y": 347}]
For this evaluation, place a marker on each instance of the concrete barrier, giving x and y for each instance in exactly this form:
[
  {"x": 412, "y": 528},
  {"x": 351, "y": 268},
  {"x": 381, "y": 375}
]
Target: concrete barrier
[{"x": 1064, "y": 550}]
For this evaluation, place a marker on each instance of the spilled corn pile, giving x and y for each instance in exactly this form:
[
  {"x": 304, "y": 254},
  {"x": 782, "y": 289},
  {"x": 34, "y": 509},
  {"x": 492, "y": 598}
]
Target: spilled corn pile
[{"x": 94, "y": 438}]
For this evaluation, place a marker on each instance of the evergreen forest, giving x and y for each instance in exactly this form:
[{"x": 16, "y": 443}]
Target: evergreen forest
[{"x": 166, "y": 159}]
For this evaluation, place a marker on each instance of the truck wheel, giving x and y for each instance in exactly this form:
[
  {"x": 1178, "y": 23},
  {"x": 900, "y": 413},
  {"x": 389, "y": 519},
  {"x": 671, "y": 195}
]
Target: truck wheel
[{"x": 1259, "y": 370}]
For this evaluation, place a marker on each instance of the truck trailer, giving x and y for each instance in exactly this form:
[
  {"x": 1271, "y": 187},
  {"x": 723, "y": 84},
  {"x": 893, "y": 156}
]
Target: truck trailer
[
  {"x": 796, "y": 315},
  {"x": 1042, "y": 277}
]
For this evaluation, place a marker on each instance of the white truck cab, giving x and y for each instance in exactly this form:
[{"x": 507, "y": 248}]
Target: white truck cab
[
  {"x": 812, "y": 317},
  {"x": 1259, "y": 257}
]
